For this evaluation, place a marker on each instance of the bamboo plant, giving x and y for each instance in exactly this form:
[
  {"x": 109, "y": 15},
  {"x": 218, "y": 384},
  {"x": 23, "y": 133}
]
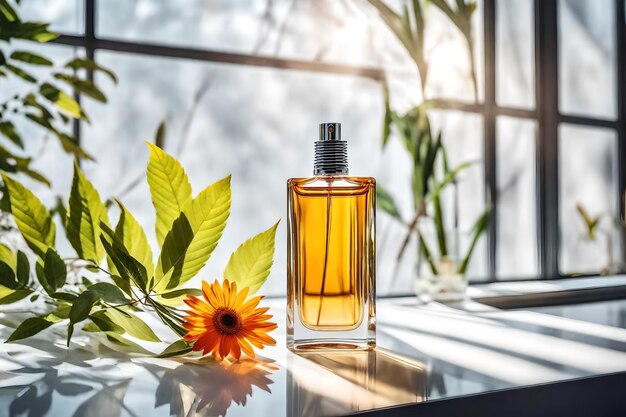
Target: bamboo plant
[{"x": 431, "y": 172}]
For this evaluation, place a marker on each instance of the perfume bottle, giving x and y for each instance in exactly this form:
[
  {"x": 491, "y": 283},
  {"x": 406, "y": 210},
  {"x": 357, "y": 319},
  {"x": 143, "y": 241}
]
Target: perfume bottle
[{"x": 331, "y": 257}]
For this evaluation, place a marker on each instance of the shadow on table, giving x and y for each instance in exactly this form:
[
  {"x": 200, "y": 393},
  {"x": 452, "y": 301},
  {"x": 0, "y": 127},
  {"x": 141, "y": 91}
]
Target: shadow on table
[{"x": 84, "y": 384}]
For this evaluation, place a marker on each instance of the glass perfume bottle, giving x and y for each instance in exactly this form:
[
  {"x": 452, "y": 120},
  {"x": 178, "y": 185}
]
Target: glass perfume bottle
[{"x": 331, "y": 256}]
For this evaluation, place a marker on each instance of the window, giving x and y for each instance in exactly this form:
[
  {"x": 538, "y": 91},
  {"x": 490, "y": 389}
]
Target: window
[{"x": 253, "y": 78}]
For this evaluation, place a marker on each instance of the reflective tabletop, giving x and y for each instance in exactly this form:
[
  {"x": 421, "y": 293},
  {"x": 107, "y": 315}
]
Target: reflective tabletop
[{"x": 425, "y": 352}]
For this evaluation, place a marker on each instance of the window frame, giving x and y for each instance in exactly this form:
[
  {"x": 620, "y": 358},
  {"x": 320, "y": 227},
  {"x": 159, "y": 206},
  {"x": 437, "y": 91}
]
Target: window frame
[{"x": 546, "y": 113}]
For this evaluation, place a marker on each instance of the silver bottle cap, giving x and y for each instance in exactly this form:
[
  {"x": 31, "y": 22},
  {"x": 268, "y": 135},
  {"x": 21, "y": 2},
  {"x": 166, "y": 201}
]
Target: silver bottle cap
[
  {"x": 330, "y": 131},
  {"x": 331, "y": 153}
]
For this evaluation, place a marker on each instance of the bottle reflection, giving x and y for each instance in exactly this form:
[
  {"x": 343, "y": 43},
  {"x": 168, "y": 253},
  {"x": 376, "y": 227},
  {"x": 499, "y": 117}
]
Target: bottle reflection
[{"x": 331, "y": 383}]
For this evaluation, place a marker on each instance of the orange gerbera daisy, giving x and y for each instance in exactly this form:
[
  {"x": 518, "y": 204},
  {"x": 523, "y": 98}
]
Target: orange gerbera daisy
[{"x": 225, "y": 322}]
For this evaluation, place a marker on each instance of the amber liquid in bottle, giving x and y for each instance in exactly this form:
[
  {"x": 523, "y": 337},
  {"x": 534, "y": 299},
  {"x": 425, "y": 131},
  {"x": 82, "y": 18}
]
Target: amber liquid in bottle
[{"x": 331, "y": 278}]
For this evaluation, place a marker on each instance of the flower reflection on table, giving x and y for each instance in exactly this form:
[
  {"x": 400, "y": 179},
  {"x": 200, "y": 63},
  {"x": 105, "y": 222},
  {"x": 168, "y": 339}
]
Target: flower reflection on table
[{"x": 208, "y": 387}]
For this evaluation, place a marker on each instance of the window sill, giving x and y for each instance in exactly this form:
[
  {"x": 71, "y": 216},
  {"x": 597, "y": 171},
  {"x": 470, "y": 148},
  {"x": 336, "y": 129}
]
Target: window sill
[{"x": 524, "y": 294}]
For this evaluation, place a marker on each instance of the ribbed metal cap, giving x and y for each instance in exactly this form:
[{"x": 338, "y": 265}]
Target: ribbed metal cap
[{"x": 331, "y": 153}]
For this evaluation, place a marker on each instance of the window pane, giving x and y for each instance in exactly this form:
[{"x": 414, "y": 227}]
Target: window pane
[
  {"x": 515, "y": 53},
  {"x": 258, "y": 124},
  {"x": 588, "y": 179},
  {"x": 65, "y": 16},
  {"x": 516, "y": 179},
  {"x": 587, "y": 80},
  {"x": 319, "y": 31},
  {"x": 323, "y": 31},
  {"x": 449, "y": 74}
]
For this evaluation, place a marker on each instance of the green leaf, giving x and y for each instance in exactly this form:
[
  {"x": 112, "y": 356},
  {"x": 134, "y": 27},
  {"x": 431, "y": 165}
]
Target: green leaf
[
  {"x": 85, "y": 213},
  {"x": 54, "y": 270},
  {"x": 178, "y": 348},
  {"x": 134, "y": 238},
  {"x": 21, "y": 73},
  {"x": 7, "y": 256},
  {"x": 31, "y": 217},
  {"x": 30, "y": 58},
  {"x": 70, "y": 145},
  {"x": 125, "y": 345},
  {"x": 122, "y": 283},
  {"x": 7, "y": 276},
  {"x": 169, "y": 187},
  {"x": 250, "y": 264},
  {"x": 450, "y": 176},
  {"x": 194, "y": 236},
  {"x": 399, "y": 27},
  {"x": 101, "y": 323},
  {"x": 591, "y": 223},
  {"x": 22, "y": 268},
  {"x": 83, "y": 86},
  {"x": 64, "y": 296},
  {"x": 29, "y": 327},
  {"x": 81, "y": 307},
  {"x": 62, "y": 101},
  {"x": 129, "y": 268},
  {"x": 15, "y": 296},
  {"x": 387, "y": 120},
  {"x": 108, "y": 292},
  {"x": 426, "y": 252},
  {"x": 167, "y": 318},
  {"x": 60, "y": 313},
  {"x": 87, "y": 64},
  {"x": 176, "y": 297},
  {"x": 132, "y": 324},
  {"x": 386, "y": 203},
  {"x": 34, "y": 31},
  {"x": 8, "y": 130},
  {"x": 8, "y": 12},
  {"x": 479, "y": 227},
  {"x": 159, "y": 139},
  {"x": 181, "y": 293},
  {"x": 439, "y": 226}
]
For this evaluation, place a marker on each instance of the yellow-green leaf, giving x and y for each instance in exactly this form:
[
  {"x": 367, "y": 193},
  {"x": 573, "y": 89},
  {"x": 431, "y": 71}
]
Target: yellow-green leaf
[
  {"x": 124, "y": 345},
  {"x": 169, "y": 187},
  {"x": 132, "y": 324},
  {"x": 31, "y": 58},
  {"x": 87, "y": 64},
  {"x": 250, "y": 264},
  {"x": 62, "y": 101},
  {"x": 194, "y": 236},
  {"x": 31, "y": 217},
  {"x": 8, "y": 256},
  {"x": 85, "y": 211},
  {"x": 134, "y": 238}
]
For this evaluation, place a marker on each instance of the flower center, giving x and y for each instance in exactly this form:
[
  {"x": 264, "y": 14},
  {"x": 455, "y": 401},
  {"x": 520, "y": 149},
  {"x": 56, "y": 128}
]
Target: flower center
[{"x": 227, "y": 321}]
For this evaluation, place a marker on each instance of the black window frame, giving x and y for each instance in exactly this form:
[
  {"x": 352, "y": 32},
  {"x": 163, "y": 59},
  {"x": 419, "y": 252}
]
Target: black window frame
[{"x": 546, "y": 112}]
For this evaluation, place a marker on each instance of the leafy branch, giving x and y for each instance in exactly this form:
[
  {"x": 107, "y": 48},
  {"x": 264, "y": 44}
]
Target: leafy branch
[
  {"x": 131, "y": 282},
  {"x": 48, "y": 101}
]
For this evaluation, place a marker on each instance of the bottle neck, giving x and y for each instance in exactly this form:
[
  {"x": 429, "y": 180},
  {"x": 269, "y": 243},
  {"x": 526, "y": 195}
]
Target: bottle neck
[{"x": 331, "y": 157}]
